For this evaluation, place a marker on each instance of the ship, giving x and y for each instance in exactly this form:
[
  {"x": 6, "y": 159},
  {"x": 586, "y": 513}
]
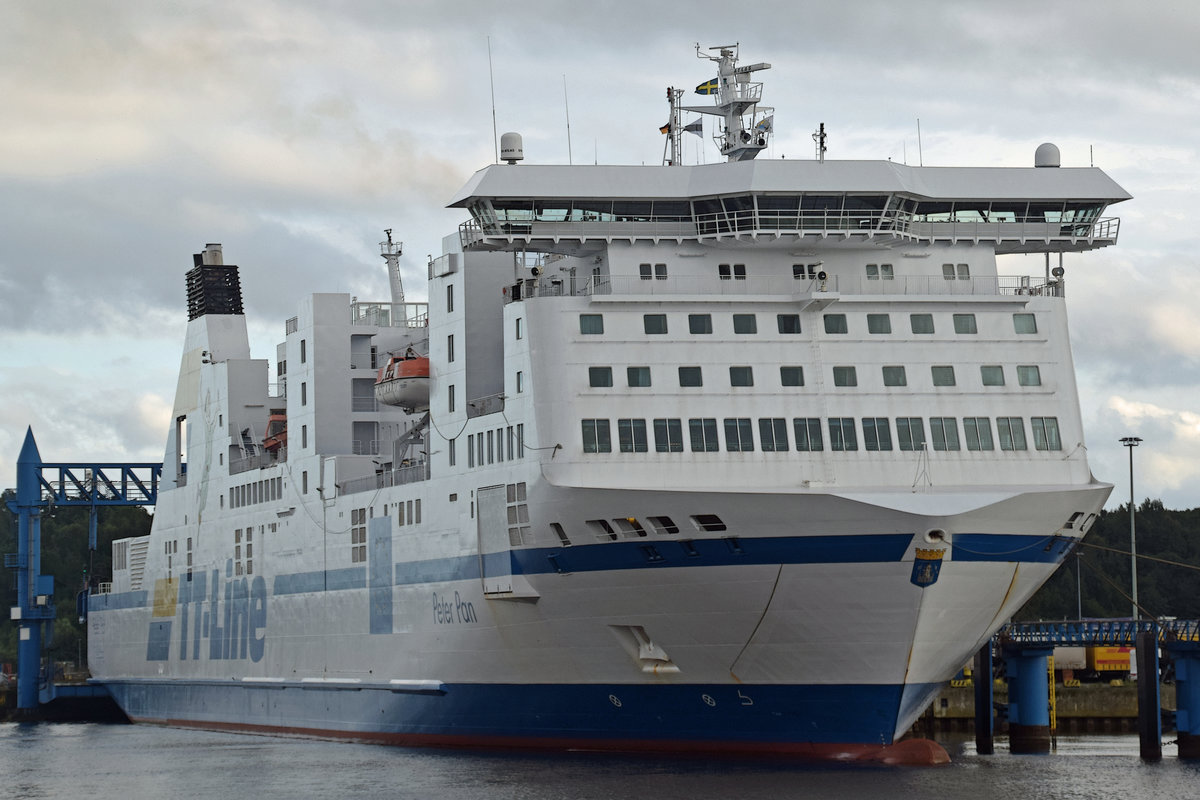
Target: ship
[{"x": 737, "y": 458}]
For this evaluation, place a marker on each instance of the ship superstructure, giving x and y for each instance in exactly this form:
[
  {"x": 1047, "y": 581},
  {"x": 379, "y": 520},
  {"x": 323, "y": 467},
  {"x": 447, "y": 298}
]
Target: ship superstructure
[{"x": 742, "y": 456}]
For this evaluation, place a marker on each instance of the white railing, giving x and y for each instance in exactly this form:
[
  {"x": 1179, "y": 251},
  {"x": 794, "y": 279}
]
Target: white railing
[
  {"x": 390, "y": 315},
  {"x": 365, "y": 447},
  {"x": 839, "y": 222},
  {"x": 396, "y": 477},
  {"x": 257, "y": 461}
]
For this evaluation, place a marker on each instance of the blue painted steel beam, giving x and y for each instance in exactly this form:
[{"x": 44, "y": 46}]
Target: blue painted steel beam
[
  {"x": 92, "y": 485},
  {"x": 1099, "y": 633}
]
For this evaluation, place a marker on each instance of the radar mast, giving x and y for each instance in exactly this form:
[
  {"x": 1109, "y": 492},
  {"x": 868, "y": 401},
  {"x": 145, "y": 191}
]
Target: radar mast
[{"x": 746, "y": 128}]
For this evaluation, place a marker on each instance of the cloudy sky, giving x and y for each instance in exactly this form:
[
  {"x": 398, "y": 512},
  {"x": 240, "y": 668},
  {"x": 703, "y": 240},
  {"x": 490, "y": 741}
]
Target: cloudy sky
[{"x": 294, "y": 132}]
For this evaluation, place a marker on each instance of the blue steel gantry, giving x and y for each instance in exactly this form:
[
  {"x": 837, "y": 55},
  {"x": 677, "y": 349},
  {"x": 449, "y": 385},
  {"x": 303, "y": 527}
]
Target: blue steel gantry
[{"x": 39, "y": 486}]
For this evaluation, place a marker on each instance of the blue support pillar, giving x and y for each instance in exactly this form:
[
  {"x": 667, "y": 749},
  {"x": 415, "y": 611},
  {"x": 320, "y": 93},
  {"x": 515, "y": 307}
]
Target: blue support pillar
[
  {"x": 985, "y": 724},
  {"x": 1186, "y": 655},
  {"x": 35, "y": 592},
  {"x": 1028, "y": 699}
]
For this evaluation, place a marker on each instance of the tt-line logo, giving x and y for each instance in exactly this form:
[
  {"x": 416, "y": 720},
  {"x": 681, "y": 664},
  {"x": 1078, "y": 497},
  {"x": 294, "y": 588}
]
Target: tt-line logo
[{"x": 230, "y": 625}]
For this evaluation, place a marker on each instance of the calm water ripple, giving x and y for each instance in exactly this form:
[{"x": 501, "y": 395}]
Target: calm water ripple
[{"x": 133, "y": 761}]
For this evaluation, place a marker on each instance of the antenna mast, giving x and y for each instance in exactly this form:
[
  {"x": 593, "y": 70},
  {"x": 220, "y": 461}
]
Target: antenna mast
[
  {"x": 391, "y": 254},
  {"x": 747, "y": 127},
  {"x": 674, "y": 148}
]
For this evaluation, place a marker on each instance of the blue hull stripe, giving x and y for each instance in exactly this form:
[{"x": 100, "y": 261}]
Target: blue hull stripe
[
  {"x": 659, "y": 553},
  {"x": 604, "y": 713}
]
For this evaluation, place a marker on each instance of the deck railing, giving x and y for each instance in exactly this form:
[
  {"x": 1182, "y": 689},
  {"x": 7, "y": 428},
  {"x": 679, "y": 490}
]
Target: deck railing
[{"x": 414, "y": 473}]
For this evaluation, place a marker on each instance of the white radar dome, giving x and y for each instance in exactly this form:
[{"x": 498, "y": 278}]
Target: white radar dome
[
  {"x": 511, "y": 148},
  {"x": 1047, "y": 156}
]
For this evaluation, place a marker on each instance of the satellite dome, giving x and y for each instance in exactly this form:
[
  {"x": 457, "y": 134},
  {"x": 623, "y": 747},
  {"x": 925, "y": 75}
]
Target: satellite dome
[
  {"x": 1047, "y": 156},
  {"x": 511, "y": 148}
]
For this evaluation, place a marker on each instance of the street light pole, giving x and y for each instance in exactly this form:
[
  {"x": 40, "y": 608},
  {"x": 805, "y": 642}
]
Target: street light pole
[{"x": 1132, "y": 442}]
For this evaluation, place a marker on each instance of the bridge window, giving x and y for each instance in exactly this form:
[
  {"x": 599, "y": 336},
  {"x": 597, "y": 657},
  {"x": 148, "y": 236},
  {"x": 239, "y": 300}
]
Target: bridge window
[
  {"x": 600, "y": 376},
  {"x": 788, "y": 323},
  {"x": 709, "y": 522},
  {"x": 700, "y": 323},
  {"x": 690, "y": 376},
  {"x": 894, "y": 376},
  {"x": 879, "y": 323},
  {"x": 739, "y": 435},
  {"x": 638, "y": 376},
  {"x": 663, "y": 525},
  {"x": 876, "y": 272}
]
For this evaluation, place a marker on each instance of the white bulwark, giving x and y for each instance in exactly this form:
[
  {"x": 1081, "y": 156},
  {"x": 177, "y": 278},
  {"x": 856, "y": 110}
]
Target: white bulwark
[{"x": 737, "y": 457}]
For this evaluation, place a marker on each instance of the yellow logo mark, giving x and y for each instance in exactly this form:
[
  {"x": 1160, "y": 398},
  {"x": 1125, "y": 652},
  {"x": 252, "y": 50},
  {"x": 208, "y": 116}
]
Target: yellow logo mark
[
  {"x": 930, "y": 555},
  {"x": 166, "y": 596}
]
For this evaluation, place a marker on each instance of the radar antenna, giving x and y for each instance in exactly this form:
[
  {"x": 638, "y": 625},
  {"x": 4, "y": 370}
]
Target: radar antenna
[{"x": 746, "y": 127}]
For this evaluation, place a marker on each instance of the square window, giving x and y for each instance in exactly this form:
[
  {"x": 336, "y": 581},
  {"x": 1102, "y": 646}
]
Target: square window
[
  {"x": 724, "y": 272},
  {"x": 600, "y": 376},
  {"x": 894, "y": 376},
  {"x": 654, "y": 323},
  {"x": 1045, "y": 433},
  {"x": 739, "y": 272},
  {"x": 841, "y": 434},
  {"x": 631, "y": 435},
  {"x": 739, "y": 436},
  {"x": 886, "y": 273},
  {"x": 690, "y": 376},
  {"x": 668, "y": 436},
  {"x": 910, "y": 433},
  {"x": 741, "y": 376},
  {"x": 645, "y": 272},
  {"x": 992, "y": 375},
  {"x": 965, "y": 323},
  {"x": 808, "y": 433},
  {"x": 836, "y": 323},
  {"x": 773, "y": 434},
  {"x": 1011, "y": 432},
  {"x": 1024, "y": 323},
  {"x": 879, "y": 323},
  {"x": 791, "y": 376},
  {"x": 845, "y": 376},
  {"x": 1029, "y": 375},
  {"x": 591, "y": 323},
  {"x": 660, "y": 272},
  {"x": 872, "y": 272},
  {"x": 877, "y": 434},
  {"x": 788, "y": 323},
  {"x": 703, "y": 433},
  {"x": 596, "y": 436},
  {"x": 948, "y": 272},
  {"x": 638, "y": 376},
  {"x": 699, "y": 323},
  {"x": 942, "y": 376},
  {"x": 745, "y": 323},
  {"x": 944, "y": 432},
  {"x": 978, "y": 431},
  {"x": 921, "y": 323}
]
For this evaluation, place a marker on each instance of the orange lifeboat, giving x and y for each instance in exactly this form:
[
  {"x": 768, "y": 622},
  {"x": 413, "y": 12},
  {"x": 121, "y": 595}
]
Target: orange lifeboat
[
  {"x": 276, "y": 438},
  {"x": 404, "y": 382}
]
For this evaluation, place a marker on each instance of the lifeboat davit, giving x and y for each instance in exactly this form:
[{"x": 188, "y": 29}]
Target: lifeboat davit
[{"x": 404, "y": 382}]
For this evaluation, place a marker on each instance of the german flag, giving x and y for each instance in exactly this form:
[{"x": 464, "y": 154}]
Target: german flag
[
  {"x": 709, "y": 87},
  {"x": 665, "y": 128}
]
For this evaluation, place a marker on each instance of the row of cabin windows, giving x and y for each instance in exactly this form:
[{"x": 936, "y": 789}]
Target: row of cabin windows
[
  {"x": 633, "y": 435},
  {"x": 874, "y": 272},
  {"x": 263, "y": 491},
  {"x": 630, "y": 527},
  {"x": 893, "y": 375},
  {"x": 491, "y": 447},
  {"x": 656, "y": 324}
]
